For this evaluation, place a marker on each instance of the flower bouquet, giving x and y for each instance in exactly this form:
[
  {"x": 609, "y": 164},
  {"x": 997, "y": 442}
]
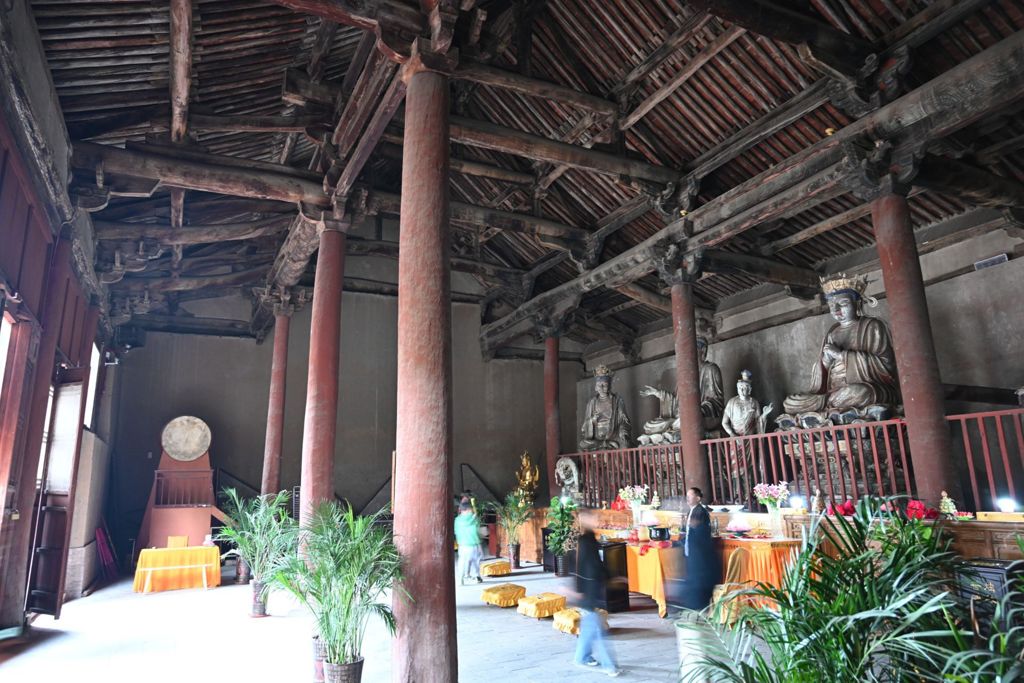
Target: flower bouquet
[
  {"x": 845, "y": 509},
  {"x": 635, "y": 496},
  {"x": 773, "y": 496},
  {"x": 916, "y": 509}
]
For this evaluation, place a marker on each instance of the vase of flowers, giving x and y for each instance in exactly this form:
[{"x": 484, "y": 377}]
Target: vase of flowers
[
  {"x": 772, "y": 496},
  {"x": 635, "y": 496}
]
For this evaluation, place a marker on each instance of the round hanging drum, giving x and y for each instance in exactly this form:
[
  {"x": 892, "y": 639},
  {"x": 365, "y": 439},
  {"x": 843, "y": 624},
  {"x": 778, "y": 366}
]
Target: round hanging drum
[{"x": 185, "y": 438}]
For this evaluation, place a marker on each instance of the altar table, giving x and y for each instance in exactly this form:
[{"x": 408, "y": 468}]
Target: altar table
[
  {"x": 646, "y": 575},
  {"x": 165, "y": 569},
  {"x": 767, "y": 559}
]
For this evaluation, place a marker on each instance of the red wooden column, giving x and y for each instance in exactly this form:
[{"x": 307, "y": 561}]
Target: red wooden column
[
  {"x": 552, "y": 415},
  {"x": 425, "y": 648},
  {"x": 271, "y": 482},
  {"x": 916, "y": 362},
  {"x": 17, "y": 533},
  {"x": 321, "y": 421},
  {"x": 684, "y": 325}
]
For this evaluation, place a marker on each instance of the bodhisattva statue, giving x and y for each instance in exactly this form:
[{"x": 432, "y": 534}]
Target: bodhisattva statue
[
  {"x": 527, "y": 478},
  {"x": 665, "y": 428},
  {"x": 854, "y": 377},
  {"x": 743, "y": 414},
  {"x": 605, "y": 422}
]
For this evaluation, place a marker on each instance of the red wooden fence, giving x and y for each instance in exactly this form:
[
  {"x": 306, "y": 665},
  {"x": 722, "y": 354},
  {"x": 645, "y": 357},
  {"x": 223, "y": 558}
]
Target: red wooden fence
[{"x": 843, "y": 462}]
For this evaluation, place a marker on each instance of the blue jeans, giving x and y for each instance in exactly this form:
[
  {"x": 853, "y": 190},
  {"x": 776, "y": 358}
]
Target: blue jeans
[{"x": 592, "y": 642}]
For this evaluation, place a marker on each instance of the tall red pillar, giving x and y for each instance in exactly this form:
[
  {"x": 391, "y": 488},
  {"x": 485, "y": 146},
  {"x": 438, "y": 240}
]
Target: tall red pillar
[
  {"x": 271, "y": 482},
  {"x": 916, "y": 362},
  {"x": 552, "y": 415},
  {"x": 684, "y": 326},
  {"x": 425, "y": 647},
  {"x": 321, "y": 421}
]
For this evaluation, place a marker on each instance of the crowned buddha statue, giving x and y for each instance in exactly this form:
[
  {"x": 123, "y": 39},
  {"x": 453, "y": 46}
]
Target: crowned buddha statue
[
  {"x": 527, "y": 478},
  {"x": 605, "y": 422},
  {"x": 665, "y": 427},
  {"x": 854, "y": 377}
]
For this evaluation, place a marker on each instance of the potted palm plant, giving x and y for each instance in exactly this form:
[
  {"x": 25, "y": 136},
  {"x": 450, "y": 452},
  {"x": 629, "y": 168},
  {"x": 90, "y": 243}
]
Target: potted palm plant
[
  {"x": 262, "y": 533},
  {"x": 562, "y": 532},
  {"x": 512, "y": 513},
  {"x": 346, "y": 564}
]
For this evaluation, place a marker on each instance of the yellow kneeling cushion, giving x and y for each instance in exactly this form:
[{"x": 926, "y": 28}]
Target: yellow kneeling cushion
[
  {"x": 496, "y": 568},
  {"x": 540, "y": 606},
  {"x": 503, "y": 595},
  {"x": 568, "y": 620}
]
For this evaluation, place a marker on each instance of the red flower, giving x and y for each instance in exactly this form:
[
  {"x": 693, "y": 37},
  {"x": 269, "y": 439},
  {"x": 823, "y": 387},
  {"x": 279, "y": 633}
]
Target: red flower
[
  {"x": 916, "y": 509},
  {"x": 846, "y": 509}
]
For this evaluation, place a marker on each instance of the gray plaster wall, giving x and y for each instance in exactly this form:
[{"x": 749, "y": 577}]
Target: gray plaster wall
[
  {"x": 497, "y": 406},
  {"x": 977, "y": 321}
]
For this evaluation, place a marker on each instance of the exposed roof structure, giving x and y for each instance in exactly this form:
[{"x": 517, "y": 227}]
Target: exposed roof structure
[{"x": 660, "y": 107}]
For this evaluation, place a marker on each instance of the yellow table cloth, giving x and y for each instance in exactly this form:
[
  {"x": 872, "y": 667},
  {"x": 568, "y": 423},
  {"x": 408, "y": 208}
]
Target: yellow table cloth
[
  {"x": 568, "y": 620},
  {"x": 767, "y": 559},
  {"x": 496, "y": 568},
  {"x": 646, "y": 575},
  {"x": 541, "y": 606},
  {"x": 503, "y": 595},
  {"x": 166, "y": 569}
]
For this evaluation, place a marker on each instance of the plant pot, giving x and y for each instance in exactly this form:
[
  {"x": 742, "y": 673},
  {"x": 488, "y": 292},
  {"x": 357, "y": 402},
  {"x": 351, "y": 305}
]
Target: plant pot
[
  {"x": 319, "y": 655},
  {"x": 513, "y": 555},
  {"x": 259, "y": 603},
  {"x": 241, "y": 571},
  {"x": 561, "y": 565},
  {"x": 343, "y": 673}
]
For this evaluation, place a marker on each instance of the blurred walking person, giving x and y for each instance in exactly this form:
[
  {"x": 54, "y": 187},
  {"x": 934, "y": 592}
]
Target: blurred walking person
[
  {"x": 467, "y": 535},
  {"x": 592, "y": 648}
]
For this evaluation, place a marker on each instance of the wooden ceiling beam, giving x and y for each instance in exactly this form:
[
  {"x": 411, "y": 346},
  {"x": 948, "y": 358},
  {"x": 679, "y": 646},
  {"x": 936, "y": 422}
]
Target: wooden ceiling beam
[
  {"x": 767, "y": 270},
  {"x": 681, "y": 36},
  {"x": 193, "y": 175},
  {"x": 364, "y": 14},
  {"x": 189, "y": 234},
  {"x": 836, "y": 53},
  {"x": 181, "y": 87},
  {"x": 691, "y": 67},
  {"x": 392, "y": 150},
  {"x": 646, "y": 296},
  {"x": 970, "y": 183},
  {"x": 187, "y": 324},
  {"x": 178, "y": 284},
  {"x": 483, "y": 74},
  {"x": 498, "y": 138},
  {"x": 985, "y": 83}
]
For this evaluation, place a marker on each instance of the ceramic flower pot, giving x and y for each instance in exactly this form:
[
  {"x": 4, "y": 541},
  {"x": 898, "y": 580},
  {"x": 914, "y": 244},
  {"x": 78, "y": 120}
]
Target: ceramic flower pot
[
  {"x": 513, "y": 555},
  {"x": 259, "y": 601},
  {"x": 319, "y": 655},
  {"x": 351, "y": 672},
  {"x": 561, "y": 565}
]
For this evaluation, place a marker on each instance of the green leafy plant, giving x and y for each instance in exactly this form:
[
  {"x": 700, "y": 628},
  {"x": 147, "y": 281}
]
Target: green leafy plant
[
  {"x": 562, "y": 526},
  {"x": 869, "y": 598},
  {"x": 512, "y": 513},
  {"x": 260, "y": 530},
  {"x": 346, "y": 565}
]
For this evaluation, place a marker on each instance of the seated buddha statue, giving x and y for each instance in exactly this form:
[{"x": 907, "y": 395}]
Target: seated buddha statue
[
  {"x": 605, "y": 422},
  {"x": 854, "y": 376}
]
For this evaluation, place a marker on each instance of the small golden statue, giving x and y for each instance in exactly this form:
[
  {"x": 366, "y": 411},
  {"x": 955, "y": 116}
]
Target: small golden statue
[{"x": 527, "y": 478}]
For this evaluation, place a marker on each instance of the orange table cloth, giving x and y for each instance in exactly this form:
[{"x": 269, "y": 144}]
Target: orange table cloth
[
  {"x": 165, "y": 569},
  {"x": 767, "y": 559},
  {"x": 646, "y": 575}
]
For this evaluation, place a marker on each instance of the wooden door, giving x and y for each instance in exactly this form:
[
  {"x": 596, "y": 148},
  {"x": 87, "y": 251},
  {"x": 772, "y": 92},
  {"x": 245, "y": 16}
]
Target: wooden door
[{"x": 55, "y": 494}]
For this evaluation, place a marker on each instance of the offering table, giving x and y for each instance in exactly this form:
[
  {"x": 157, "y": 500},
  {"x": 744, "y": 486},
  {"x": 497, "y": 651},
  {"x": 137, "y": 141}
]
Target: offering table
[{"x": 165, "y": 569}]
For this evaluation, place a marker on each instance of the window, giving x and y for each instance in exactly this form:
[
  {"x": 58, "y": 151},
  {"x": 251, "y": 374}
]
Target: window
[
  {"x": 5, "y": 342},
  {"x": 94, "y": 375}
]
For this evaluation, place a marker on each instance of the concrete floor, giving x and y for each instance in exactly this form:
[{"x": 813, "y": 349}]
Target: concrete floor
[{"x": 116, "y": 636}]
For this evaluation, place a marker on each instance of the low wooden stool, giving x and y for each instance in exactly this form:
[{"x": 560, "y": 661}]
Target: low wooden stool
[
  {"x": 503, "y": 595},
  {"x": 568, "y": 620},
  {"x": 541, "y": 606},
  {"x": 496, "y": 568}
]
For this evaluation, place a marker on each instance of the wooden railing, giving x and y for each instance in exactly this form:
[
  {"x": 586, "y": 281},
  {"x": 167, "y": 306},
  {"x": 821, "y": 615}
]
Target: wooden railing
[
  {"x": 186, "y": 488},
  {"x": 842, "y": 462}
]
